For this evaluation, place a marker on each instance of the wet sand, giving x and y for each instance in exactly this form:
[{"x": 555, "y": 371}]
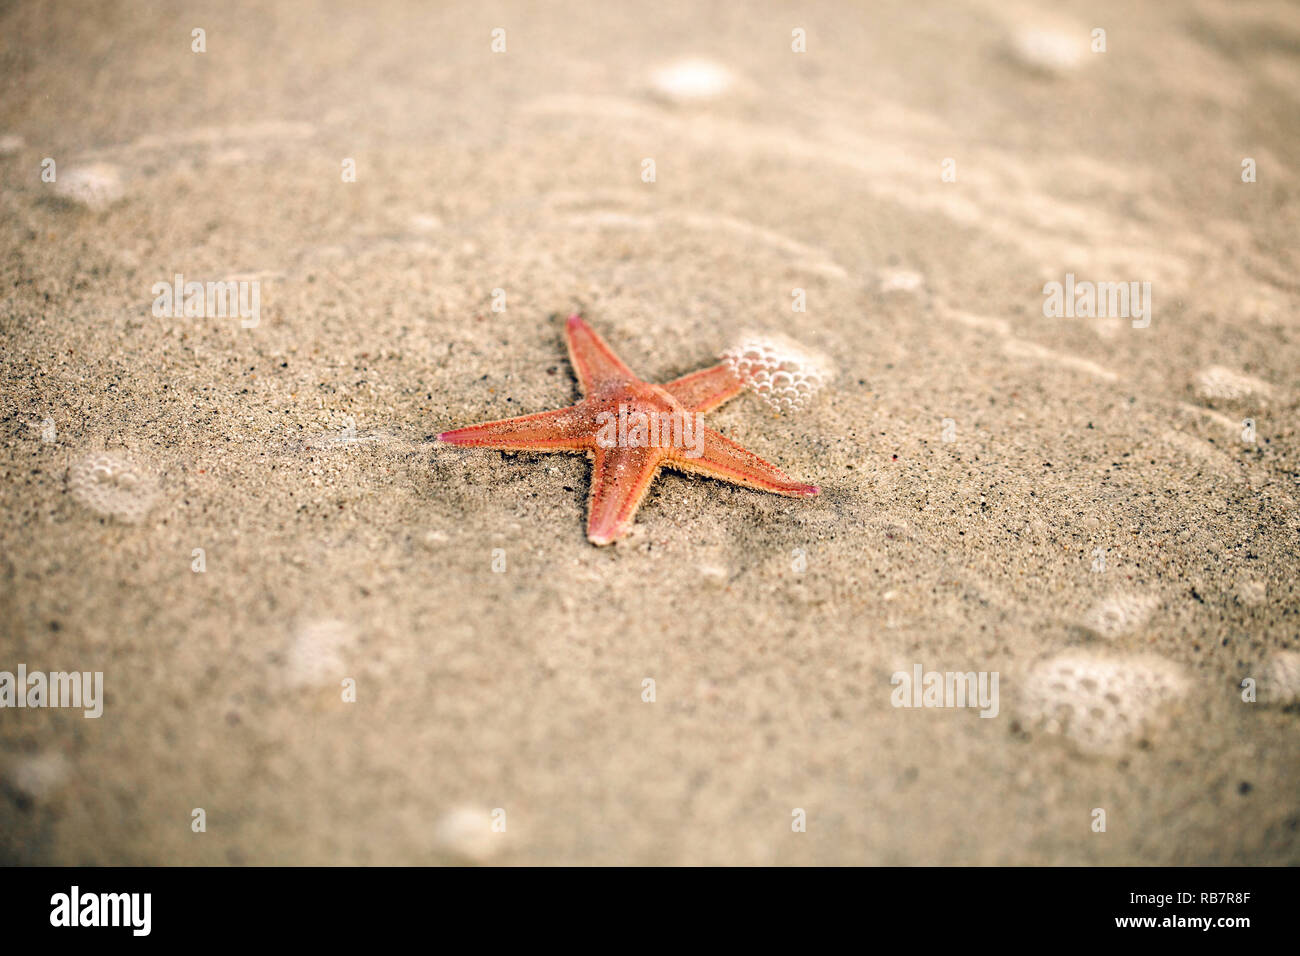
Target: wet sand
[{"x": 1074, "y": 503}]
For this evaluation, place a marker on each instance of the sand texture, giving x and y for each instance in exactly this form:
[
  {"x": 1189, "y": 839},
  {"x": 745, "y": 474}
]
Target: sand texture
[{"x": 231, "y": 522}]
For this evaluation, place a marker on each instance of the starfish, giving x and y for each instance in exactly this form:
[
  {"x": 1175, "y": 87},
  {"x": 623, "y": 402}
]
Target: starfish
[{"x": 626, "y": 459}]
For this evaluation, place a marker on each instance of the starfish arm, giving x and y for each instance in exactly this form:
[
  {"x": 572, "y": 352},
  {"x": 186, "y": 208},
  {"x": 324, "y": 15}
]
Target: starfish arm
[
  {"x": 565, "y": 429},
  {"x": 619, "y": 480},
  {"x": 594, "y": 362},
  {"x": 723, "y": 459},
  {"x": 706, "y": 389}
]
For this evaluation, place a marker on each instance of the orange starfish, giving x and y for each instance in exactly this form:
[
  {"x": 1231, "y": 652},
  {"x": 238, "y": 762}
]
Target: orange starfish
[{"x": 632, "y": 429}]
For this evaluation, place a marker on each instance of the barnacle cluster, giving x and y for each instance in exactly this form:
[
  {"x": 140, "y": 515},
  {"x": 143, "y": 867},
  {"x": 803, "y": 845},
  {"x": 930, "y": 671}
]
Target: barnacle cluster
[
  {"x": 316, "y": 654},
  {"x": 112, "y": 485},
  {"x": 95, "y": 186},
  {"x": 1120, "y": 613},
  {"x": 688, "y": 81},
  {"x": 1279, "y": 684},
  {"x": 1219, "y": 382},
  {"x": 780, "y": 372},
  {"x": 1100, "y": 702}
]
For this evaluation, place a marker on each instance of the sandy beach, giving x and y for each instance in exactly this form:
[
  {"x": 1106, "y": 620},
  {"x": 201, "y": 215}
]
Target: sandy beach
[{"x": 327, "y": 638}]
